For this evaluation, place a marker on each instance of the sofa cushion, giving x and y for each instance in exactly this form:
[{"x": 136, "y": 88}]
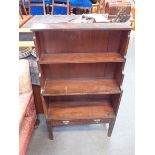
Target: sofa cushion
[
  {"x": 26, "y": 132},
  {"x": 24, "y": 101},
  {"x": 25, "y": 85}
]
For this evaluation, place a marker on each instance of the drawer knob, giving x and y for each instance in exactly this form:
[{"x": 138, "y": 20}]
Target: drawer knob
[
  {"x": 97, "y": 120},
  {"x": 65, "y": 122}
]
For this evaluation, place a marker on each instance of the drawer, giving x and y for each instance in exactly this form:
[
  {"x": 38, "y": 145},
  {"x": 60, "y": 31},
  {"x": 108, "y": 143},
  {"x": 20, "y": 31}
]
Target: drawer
[{"x": 74, "y": 122}]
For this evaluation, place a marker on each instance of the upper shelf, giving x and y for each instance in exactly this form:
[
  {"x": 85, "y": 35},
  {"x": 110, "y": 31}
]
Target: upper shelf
[
  {"x": 80, "y": 26},
  {"x": 80, "y": 58},
  {"x": 80, "y": 87}
]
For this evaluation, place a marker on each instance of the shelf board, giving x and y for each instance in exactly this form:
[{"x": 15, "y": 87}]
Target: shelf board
[
  {"x": 80, "y": 110},
  {"x": 80, "y": 58},
  {"x": 80, "y": 87}
]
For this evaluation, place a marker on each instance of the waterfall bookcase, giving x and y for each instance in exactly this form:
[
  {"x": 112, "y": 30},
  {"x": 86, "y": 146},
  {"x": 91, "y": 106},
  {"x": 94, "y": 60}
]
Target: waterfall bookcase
[{"x": 81, "y": 71}]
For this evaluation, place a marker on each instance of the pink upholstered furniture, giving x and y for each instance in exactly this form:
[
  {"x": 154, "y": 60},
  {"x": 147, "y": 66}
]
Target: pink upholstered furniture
[{"x": 27, "y": 117}]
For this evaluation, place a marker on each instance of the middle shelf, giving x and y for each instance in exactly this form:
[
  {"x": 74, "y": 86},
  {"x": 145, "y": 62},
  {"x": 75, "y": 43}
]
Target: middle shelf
[
  {"x": 80, "y": 87},
  {"x": 80, "y": 58}
]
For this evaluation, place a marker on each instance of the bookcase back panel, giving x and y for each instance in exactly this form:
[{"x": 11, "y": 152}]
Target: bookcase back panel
[
  {"x": 84, "y": 99},
  {"x": 79, "y": 98},
  {"x": 65, "y": 71},
  {"x": 59, "y": 41}
]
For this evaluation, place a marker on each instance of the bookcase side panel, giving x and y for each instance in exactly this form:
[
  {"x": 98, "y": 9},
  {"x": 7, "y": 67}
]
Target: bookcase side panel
[{"x": 125, "y": 37}]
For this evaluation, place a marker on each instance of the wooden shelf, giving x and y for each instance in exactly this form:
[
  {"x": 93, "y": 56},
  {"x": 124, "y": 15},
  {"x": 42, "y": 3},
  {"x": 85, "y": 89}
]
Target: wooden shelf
[
  {"x": 80, "y": 87},
  {"x": 80, "y": 84},
  {"x": 80, "y": 110},
  {"x": 80, "y": 58}
]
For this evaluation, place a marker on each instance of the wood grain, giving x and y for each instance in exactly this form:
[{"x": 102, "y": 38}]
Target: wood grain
[
  {"x": 52, "y": 122},
  {"x": 75, "y": 41},
  {"x": 37, "y": 99},
  {"x": 80, "y": 58},
  {"x": 81, "y": 70},
  {"x": 80, "y": 87},
  {"x": 80, "y": 110}
]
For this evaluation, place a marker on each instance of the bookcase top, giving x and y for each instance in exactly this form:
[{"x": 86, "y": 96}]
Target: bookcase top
[
  {"x": 80, "y": 26},
  {"x": 72, "y": 22}
]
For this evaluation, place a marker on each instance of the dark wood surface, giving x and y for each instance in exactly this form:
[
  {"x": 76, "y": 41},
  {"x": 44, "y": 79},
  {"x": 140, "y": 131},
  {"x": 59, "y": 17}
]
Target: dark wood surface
[
  {"x": 81, "y": 72},
  {"x": 37, "y": 99},
  {"x": 86, "y": 71},
  {"x": 80, "y": 110},
  {"x": 52, "y": 122},
  {"x": 81, "y": 98},
  {"x": 80, "y": 58},
  {"x": 80, "y": 87},
  {"x": 77, "y": 41}
]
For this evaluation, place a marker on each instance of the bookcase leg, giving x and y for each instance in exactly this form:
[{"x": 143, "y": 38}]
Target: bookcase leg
[
  {"x": 111, "y": 126},
  {"x": 50, "y": 132},
  {"x": 36, "y": 123}
]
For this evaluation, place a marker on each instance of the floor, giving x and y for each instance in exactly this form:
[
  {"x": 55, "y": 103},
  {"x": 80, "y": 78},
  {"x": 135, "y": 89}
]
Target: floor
[{"x": 92, "y": 139}]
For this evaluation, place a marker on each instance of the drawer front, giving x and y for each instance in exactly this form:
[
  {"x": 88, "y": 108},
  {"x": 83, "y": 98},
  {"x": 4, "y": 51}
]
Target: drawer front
[{"x": 74, "y": 122}]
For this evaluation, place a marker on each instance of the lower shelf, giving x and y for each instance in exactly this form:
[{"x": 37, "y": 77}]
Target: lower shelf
[{"x": 82, "y": 110}]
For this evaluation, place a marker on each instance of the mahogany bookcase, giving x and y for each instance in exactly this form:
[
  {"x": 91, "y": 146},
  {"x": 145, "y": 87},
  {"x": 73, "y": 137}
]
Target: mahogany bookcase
[{"x": 81, "y": 71}]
